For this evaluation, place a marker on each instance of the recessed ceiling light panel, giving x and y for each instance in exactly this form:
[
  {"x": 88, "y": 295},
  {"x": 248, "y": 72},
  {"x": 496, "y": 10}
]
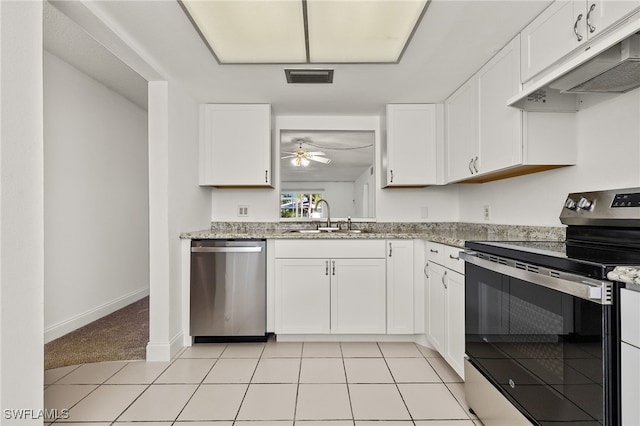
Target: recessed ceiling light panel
[
  {"x": 305, "y": 31},
  {"x": 251, "y": 31},
  {"x": 361, "y": 31}
]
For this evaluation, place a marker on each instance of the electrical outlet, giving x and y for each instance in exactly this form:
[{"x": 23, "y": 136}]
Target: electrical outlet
[
  {"x": 487, "y": 212},
  {"x": 424, "y": 212},
  {"x": 243, "y": 211}
]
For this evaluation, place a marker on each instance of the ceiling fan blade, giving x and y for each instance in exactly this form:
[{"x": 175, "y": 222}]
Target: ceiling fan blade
[
  {"x": 288, "y": 156},
  {"x": 285, "y": 152},
  {"x": 316, "y": 153},
  {"x": 323, "y": 160}
]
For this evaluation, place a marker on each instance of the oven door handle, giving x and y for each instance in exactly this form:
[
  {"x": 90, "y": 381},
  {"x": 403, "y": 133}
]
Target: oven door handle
[{"x": 598, "y": 291}]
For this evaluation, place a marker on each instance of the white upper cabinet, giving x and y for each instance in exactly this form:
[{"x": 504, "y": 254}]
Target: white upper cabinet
[
  {"x": 461, "y": 132},
  {"x": 499, "y": 125},
  {"x": 566, "y": 25},
  {"x": 411, "y": 144},
  {"x": 235, "y": 145},
  {"x": 488, "y": 140}
]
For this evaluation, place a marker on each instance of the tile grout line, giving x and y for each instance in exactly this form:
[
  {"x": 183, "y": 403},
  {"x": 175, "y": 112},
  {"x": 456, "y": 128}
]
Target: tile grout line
[
  {"x": 199, "y": 385},
  {"x": 396, "y": 384},
  {"x": 346, "y": 382},
  {"x": 246, "y": 391}
]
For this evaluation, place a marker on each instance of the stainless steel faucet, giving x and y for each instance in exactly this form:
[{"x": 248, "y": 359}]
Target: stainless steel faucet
[{"x": 328, "y": 210}]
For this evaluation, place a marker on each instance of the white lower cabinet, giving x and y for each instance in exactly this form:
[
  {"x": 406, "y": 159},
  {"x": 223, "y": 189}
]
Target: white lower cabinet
[
  {"x": 303, "y": 296},
  {"x": 400, "y": 313},
  {"x": 341, "y": 293},
  {"x": 358, "y": 296},
  {"x": 445, "y": 303}
]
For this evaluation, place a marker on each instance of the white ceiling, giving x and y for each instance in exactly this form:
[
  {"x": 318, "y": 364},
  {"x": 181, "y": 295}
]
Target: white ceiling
[{"x": 453, "y": 40}]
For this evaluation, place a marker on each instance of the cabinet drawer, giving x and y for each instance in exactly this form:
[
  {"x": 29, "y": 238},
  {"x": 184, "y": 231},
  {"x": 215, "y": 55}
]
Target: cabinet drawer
[
  {"x": 630, "y": 311},
  {"x": 334, "y": 249},
  {"x": 452, "y": 259},
  {"x": 435, "y": 252}
]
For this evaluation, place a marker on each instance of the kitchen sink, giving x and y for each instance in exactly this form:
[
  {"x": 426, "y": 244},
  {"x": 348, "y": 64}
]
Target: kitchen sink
[{"x": 330, "y": 230}]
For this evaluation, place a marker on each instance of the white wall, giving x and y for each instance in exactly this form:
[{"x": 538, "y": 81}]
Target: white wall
[
  {"x": 21, "y": 210},
  {"x": 177, "y": 204},
  {"x": 96, "y": 199},
  {"x": 608, "y": 135}
]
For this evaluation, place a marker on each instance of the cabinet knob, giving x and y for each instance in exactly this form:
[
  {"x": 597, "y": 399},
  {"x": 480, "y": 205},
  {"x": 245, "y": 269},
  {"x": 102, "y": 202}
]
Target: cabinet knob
[{"x": 575, "y": 28}]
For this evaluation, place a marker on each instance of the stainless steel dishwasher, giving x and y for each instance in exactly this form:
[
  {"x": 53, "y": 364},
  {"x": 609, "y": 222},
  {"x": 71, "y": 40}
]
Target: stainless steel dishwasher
[{"x": 228, "y": 290}]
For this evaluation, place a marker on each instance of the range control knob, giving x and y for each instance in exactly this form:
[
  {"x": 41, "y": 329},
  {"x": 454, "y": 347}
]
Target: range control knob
[
  {"x": 570, "y": 204},
  {"x": 585, "y": 204}
]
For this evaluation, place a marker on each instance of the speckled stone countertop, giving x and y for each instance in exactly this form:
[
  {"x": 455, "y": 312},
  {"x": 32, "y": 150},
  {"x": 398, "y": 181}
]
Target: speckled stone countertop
[
  {"x": 451, "y": 233},
  {"x": 626, "y": 274}
]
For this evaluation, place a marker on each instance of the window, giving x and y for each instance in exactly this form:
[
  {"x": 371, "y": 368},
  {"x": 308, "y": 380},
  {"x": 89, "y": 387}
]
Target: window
[{"x": 295, "y": 204}]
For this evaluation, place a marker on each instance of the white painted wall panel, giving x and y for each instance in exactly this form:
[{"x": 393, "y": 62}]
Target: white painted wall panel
[{"x": 96, "y": 199}]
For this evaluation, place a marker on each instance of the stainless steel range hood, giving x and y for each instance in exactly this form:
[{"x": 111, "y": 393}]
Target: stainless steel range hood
[{"x": 616, "y": 70}]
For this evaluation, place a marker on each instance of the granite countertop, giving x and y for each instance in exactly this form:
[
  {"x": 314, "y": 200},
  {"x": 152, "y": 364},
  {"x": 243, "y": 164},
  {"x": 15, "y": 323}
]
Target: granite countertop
[
  {"x": 450, "y": 233},
  {"x": 629, "y": 275}
]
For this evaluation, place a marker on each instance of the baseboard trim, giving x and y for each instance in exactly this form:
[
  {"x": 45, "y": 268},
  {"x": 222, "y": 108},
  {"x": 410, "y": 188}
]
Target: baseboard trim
[
  {"x": 165, "y": 351},
  {"x": 63, "y": 327}
]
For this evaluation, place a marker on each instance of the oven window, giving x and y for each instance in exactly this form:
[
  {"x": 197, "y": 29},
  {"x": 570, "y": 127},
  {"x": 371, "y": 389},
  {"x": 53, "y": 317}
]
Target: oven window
[{"x": 541, "y": 347}]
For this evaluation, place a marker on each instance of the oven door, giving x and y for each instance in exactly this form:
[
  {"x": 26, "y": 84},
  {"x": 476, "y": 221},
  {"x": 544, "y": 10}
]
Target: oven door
[{"x": 550, "y": 353}]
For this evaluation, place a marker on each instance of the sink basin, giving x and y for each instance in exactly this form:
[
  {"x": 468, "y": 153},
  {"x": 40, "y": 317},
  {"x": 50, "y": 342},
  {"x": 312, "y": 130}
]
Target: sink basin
[
  {"x": 329, "y": 230},
  {"x": 307, "y": 231}
]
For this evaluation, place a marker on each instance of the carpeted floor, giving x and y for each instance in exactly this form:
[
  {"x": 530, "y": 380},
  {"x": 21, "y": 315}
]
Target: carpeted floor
[{"x": 122, "y": 335}]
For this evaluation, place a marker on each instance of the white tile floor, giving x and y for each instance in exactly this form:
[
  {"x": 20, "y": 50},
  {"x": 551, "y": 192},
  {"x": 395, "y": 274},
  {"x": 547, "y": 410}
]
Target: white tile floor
[{"x": 272, "y": 384}]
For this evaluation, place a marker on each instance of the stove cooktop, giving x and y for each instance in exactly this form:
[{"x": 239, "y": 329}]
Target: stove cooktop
[{"x": 590, "y": 260}]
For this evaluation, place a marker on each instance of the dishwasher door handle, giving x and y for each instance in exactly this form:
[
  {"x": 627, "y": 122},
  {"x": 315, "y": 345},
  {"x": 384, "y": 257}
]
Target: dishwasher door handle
[{"x": 226, "y": 249}]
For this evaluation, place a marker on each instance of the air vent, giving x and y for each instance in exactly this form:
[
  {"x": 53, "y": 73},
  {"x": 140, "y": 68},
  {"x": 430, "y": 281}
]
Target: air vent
[{"x": 309, "y": 76}]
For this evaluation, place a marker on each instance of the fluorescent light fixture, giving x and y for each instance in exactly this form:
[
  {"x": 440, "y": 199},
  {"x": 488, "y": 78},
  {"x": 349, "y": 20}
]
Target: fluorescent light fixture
[
  {"x": 251, "y": 31},
  {"x": 305, "y": 31},
  {"x": 361, "y": 30}
]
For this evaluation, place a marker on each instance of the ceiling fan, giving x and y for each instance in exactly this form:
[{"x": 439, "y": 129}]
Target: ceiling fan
[{"x": 302, "y": 157}]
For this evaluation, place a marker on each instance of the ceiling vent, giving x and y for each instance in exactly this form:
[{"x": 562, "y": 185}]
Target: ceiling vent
[{"x": 309, "y": 76}]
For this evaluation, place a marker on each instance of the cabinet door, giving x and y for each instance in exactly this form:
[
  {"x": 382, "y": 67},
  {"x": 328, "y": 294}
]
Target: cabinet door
[
  {"x": 604, "y": 13},
  {"x": 630, "y": 374},
  {"x": 436, "y": 306},
  {"x": 552, "y": 35},
  {"x": 302, "y": 296},
  {"x": 400, "y": 318},
  {"x": 235, "y": 145},
  {"x": 461, "y": 132},
  {"x": 358, "y": 296},
  {"x": 454, "y": 342},
  {"x": 411, "y": 145},
  {"x": 499, "y": 125}
]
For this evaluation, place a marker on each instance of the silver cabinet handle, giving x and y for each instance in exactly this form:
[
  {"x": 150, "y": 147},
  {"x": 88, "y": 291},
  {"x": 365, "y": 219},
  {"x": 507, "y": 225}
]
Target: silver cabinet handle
[
  {"x": 454, "y": 257},
  {"x": 433, "y": 251},
  {"x": 390, "y": 249},
  {"x": 592, "y": 28},
  {"x": 443, "y": 277},
  {"x": 426, "y": 265},
  {"x": 391, "y": 173},
  {"x": 575, "y": 28},
  {"x": 470, "y": 163},
  {"x": 333, "y": 267},
  {"x": 266, "y": 176},
  {"x": 326, "y": 267},
  {"x": 475, "y": 164}
]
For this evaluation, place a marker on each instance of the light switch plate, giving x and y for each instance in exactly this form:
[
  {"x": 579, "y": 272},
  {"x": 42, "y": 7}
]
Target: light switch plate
[
  {"x": 243, "y": 211},
  {"x": 487, "y": 212}
]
